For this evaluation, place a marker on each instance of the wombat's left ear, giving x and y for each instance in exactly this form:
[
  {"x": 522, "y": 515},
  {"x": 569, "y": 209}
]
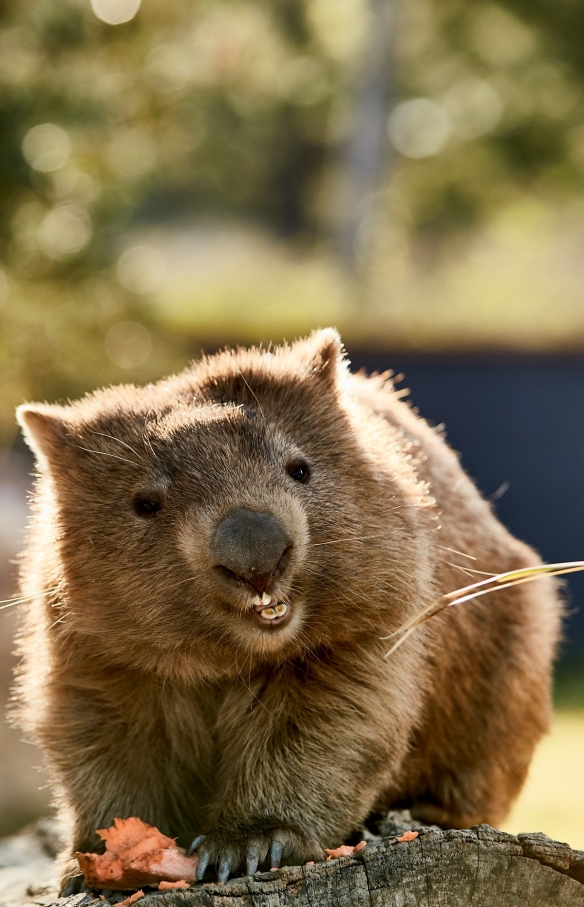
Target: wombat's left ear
[
  {"x": 45, "y": 431},
  {"x": 326, "y": 353}
]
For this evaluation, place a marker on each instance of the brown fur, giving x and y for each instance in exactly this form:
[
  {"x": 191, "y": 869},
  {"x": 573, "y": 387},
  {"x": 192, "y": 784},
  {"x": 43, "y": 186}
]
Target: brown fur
[{"x": 152, "y": 694}]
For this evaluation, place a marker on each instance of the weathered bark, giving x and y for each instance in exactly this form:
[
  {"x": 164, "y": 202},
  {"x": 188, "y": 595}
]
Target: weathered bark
[{"x": 481, "y": 867}]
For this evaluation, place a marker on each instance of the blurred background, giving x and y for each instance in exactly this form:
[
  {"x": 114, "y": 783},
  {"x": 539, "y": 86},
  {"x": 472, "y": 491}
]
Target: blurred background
[{"x": 176, "y": 176}]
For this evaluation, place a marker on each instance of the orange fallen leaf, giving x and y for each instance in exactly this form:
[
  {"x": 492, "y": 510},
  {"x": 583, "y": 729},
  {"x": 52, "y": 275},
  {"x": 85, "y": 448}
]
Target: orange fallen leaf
[
  {"x": 345, "y": 850},
  {"x": 136, "y": 854},
  {"x": 132, "y": 899},
  {"x": 166, "y": 886},
  {"x": 408, "y": 836}
]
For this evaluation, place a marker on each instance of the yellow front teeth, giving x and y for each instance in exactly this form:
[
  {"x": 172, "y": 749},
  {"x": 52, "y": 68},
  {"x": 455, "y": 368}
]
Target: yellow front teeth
[{"x": 272, "y": 613}]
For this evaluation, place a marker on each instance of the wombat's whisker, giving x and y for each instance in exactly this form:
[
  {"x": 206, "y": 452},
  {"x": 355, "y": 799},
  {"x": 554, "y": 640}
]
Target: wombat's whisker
[
  {"x": 21, "y": 599},
  {"x": 454, "y": 551},
  {"x": 251, "y": 392},
  {"x": 494, "y": 583},
  {"x": 469, "y": 571},
  {"x": 115, "y": 456},
  {"x": 251, "y": 692},
  {"x": 119, "y": 441},
  {"x": 349, "y": 538}
]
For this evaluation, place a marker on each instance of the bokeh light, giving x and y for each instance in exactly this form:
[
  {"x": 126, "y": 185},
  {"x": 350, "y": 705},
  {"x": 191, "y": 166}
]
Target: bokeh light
[
  {"x": 128, "y": 344},
  {"x": 65, "y": 230},
  {"x": 141, "y": 269},
  {"x": 167, "y": 68},
  {"x": 474, "y": 107},
  {"x": 46, "y": 147},
  {"x": 115, "y": 12},
  {"x": 419, "y": 128},
  {"x": 131, "y": 153}
]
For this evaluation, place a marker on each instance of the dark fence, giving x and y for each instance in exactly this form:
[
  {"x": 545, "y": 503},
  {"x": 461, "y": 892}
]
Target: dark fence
[{"x": 518, "y": 423}]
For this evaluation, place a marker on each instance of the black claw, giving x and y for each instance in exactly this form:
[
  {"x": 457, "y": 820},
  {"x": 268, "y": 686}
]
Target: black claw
[
  {"x": 202, "y": 866},
  {"x": 196, "y": 843},
  {"x": 224, "y": 870},
  {"x": 276, "y": 854}
]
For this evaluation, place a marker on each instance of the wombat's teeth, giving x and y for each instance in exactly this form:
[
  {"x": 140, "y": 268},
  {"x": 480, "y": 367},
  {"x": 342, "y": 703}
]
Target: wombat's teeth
[
  {"x": 266, "y": 599},
  {"x": 257, "y": 601},
  {"x": 277, "y": 611}
]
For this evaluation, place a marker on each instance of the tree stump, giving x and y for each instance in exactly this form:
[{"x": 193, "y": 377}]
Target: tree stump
[{"x": 481, "y": 867}]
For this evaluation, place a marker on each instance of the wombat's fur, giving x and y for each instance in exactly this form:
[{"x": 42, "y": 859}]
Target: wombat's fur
[{"x": 155, "y": 690}]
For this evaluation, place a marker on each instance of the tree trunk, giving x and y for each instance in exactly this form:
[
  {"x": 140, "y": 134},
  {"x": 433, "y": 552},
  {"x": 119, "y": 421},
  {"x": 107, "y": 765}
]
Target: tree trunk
[
  {"x": 366, "y": 149},
  {"x": 481, "y": 867}
]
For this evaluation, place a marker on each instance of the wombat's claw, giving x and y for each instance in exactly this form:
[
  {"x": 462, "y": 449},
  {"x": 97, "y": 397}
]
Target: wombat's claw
[
  {"x": 230, "y": 850},
  {"x": 227, "y": 864},
  {"x": 253, "y": 856},
  {"x": 202, "y": 864},
  {"x": 276, "y": 854},
  {"x": 196, "y": 843}
]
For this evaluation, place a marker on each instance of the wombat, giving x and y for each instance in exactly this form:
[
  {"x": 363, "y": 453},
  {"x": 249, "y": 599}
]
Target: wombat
[{"x": 213, "y": 563}]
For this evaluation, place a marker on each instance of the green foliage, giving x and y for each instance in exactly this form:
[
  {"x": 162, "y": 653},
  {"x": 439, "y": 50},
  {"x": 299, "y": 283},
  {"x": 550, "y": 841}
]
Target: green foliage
[{"x": 238, "y": 110}]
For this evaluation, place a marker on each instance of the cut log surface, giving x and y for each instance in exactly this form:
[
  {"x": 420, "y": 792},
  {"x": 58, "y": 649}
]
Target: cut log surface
[{"x": 481, "y": 867}]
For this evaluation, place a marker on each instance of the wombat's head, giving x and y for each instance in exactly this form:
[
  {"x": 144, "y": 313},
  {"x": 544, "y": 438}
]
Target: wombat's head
[{"x": 240, "y": 506}]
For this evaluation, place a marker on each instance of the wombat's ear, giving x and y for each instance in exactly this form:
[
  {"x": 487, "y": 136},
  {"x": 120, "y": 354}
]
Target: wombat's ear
[
  {"x": 45, "y": 430},
  {"x": 325, "y": 354}
]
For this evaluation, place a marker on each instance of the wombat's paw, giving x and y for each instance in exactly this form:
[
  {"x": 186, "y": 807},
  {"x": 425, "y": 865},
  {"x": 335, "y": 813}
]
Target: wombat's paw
[
  {"x": 71, "y": 879},
  {"x": 246, "y": 848}
]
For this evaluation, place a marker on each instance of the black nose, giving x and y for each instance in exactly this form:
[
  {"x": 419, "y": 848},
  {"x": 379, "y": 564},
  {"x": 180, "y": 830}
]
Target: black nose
[{"x": 252, "y": 545}]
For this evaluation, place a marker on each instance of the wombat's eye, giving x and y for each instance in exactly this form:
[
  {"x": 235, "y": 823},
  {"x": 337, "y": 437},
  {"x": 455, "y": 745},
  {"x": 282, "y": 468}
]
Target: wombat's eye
[
  {"x": 147, "y": 505},
  {"x": 299, "y": 471}
]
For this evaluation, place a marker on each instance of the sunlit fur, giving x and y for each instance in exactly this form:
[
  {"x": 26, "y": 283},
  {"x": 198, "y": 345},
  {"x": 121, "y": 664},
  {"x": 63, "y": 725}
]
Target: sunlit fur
[{"x": 153, "y": 692}]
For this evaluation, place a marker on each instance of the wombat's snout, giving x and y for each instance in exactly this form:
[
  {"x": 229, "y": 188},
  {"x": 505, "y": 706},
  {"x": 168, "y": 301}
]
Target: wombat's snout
[{"x": 250, "y": 546}]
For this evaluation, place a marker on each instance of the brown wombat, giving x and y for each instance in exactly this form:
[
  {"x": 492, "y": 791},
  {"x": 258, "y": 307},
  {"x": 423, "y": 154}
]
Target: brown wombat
[{"x": 213, "y": 562}]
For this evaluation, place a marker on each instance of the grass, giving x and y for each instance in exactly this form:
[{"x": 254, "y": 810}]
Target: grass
[{"x": 552, "y": 800}]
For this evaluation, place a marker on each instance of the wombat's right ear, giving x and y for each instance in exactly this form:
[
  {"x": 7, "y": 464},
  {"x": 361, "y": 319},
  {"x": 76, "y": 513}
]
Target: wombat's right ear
[
  {"x": 324, "y": 351},
  {"x": 45, "y": 431}
]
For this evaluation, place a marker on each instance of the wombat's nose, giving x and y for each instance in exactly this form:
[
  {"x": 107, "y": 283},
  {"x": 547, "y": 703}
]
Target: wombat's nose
[{"x": 250, "y": 545}]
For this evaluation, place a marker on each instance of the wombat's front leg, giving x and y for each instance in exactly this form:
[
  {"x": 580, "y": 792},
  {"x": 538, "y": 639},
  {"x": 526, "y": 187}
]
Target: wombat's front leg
[
  {"x": 104, "y": 769},
  {"x": 302, "y": 768}
]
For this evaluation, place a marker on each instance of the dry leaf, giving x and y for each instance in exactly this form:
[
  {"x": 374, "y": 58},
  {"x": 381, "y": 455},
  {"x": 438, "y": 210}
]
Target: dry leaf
[
  {"x": 345, "y": 850},
  {"x": 408, "y": 836},
  {"x": 136, "y": 854},
  {"x": 132, "y": 899}
]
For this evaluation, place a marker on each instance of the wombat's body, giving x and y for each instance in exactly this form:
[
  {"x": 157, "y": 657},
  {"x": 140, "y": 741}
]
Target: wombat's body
[{"x": 213, "y": 562}]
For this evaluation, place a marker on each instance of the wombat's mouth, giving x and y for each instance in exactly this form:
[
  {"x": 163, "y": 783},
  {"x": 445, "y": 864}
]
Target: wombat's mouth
[{"x": 271, "y": 613}]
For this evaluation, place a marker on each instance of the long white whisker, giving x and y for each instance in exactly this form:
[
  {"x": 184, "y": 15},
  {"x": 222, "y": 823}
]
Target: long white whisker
[
  {"x": 251, "y": 392},
  {"x": 454, "y": 551},
  {"x": 115, "y": 456},
  {"x": 21, "y": 599},
  {"x": 118, "y": 440}
]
